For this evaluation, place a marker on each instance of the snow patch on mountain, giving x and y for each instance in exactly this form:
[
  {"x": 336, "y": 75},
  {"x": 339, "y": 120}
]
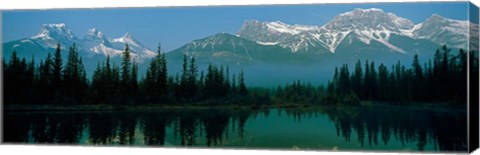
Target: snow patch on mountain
[
  {"x": 366, "y": 25},
  {"x": 127, "y": 39},
  {"x": 93, "y": 43}
]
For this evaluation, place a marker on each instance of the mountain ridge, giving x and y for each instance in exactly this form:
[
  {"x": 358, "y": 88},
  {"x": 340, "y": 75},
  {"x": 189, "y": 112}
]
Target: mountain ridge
[
  {"x": 368, "y": 24},
  {"x": 94, "y": 43},
  {"x": 372, "y": 29}
]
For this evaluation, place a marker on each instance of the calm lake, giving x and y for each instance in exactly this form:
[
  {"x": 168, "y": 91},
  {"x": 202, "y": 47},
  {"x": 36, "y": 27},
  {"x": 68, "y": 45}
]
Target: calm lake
[{"x": 382, "y": 127}]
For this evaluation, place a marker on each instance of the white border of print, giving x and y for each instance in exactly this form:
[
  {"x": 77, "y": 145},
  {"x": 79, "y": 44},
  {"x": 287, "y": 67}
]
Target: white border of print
[{"x": 53, "y": 150}]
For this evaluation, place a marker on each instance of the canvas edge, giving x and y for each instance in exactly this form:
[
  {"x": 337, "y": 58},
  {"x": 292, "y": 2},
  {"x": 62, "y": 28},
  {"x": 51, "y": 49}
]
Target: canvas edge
[{"x": 473, "y": 98}]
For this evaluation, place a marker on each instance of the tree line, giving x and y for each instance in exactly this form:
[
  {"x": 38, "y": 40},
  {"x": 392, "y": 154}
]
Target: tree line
[
  {"x": 48, "y": 82},
  {"x": 443, "y": 79},
  {"x": 52, "y": 82}
]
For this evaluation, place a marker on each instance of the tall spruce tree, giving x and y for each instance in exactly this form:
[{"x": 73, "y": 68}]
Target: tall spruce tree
[
  {"x": 183, "y": 92},
  {"x": 192, "y": 78},
  {"x": 418, "y": 81},
  {"x": 357, "y": 78},
  {"x": 383, "y": 83},
  {"x": 133, "y": 90},
  {"x": 126, "y": 69},
  {"x": 74, "y": 77},
  {"x": 57, "y": 68},
  {"x": 44, "y": 88},
  {"x": 242, "y": 88}
]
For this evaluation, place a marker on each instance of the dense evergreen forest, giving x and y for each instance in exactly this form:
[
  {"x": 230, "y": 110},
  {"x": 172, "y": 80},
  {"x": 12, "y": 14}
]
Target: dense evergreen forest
[
  {"x": 443, "y": 80},
  {"x": 50, "y": 82}
]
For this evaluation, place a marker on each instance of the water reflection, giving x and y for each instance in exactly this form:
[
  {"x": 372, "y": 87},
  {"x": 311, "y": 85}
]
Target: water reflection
[
  {"x": 154, "y": 125},
  {"x": 445, "y": 128},
  {"x": 374, "y": 127}
]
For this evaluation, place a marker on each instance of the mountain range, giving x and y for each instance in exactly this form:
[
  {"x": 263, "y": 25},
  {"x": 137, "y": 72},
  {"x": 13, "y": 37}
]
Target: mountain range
[
  {"x": 359, "y": 34},
  {"x": 93, "y": 44},
  {"x": 360, "y": 25}
]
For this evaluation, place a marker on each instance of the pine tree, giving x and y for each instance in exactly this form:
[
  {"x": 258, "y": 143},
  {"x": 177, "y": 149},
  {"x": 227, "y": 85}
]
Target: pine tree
[
  {"x": 83, "y": 82},
  {"x": 383, "y": 82},
  {"x": 125, "y": 80},
  {"x": 418, "y": 81},
  {"x": 156, "y": 83},
  {"x": 184, "y": 78},
  {"x": 343, "y": 83},
  {"x": 373, "y": 81},
  {"x": 437, "y": 62},
  {"x": 115, "y": 86},
  {"x": 57, "y": 68},
  {"x": 134, "y": 82},
  {"x": 234, "y": 85},
  {"x": 192, "y": 78},
  {"x": 152, "y": 92},
  {"x": 97, "y": 86},
  {"x": 45, "y": 80},
  {"x": 74, "y": 77},
  {"x": 242, "y": 90},
  {"x": 357, "y": 78},
  {"x": 227, "y": 80},
  {"x": 110, "y": 79},
  {"x": 162, "y": 79},
  {"x": 445, "y": 59},
  {"x": 201, "y": 86}
]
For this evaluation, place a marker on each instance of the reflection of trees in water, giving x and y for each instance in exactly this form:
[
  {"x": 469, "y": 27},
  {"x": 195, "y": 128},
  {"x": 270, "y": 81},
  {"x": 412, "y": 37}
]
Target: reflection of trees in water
[
  {"x": 447, "y": 129},
  {"x": 126, "y": 128},
  {"x": 119, "y": 127},
  {"x": 154, "y": 125},
  {"x": 186, "y": 127},
  {"x": 450, "y": 131},
  {"x": 189, "y": 126},
  {"x": 16, "y": 128},
  {"x": 53, "y": 129},
  {"x": 299, "y": 114},
  {"x": 42, "y": 128},
  {"x": 101, "y": 128},
  {"x": 112, "y": 128},
  {"x": 69, "y": 128},
  {"x": 215, "y": 125},
  {"x": 241, "y": 118}
]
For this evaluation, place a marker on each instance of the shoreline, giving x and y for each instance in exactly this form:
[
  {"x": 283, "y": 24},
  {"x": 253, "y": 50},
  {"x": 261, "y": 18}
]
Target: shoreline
[{"x": 105, "y": 107}]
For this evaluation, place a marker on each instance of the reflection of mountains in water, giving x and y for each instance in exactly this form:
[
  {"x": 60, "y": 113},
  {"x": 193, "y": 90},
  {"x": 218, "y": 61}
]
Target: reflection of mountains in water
[{"x": 373, "y": 126}]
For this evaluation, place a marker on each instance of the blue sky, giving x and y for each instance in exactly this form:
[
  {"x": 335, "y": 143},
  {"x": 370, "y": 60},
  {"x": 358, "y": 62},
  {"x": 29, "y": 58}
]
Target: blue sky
[{"x": 175, "y": 26}]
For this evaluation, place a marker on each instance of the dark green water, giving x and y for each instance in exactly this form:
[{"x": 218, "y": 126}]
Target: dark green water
[{"x": 387, "y": 128}]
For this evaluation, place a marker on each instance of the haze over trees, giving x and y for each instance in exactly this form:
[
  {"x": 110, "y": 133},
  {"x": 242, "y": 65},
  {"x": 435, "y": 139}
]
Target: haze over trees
[
  {"x": 444, "y": 80},
  {"x": 51, "y": 81}
]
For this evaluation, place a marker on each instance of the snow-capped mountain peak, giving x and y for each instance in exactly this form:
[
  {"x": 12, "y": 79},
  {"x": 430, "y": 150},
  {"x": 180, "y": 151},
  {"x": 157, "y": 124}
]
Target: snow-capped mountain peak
[
  {"x": 127, "y": 38},
  {"x": 94, "y": 33},
  {"x": 435, "y": 17},
  {"x": 365, "y": 19},
  {"x": 127, "y": 35},
  {"x": 444, "y": 31},
  {"x": 54, "y": 31},
  {"x": 367, "y": 24},
  {"x": 277, "y": 33},
  {"x": 93, "y": 43},
  {"x": 52, "y": 34},
  {"x": 286, "y": 28},
  {"x": 360, "y": 10},
  {"x": 364, "y": 25}
]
